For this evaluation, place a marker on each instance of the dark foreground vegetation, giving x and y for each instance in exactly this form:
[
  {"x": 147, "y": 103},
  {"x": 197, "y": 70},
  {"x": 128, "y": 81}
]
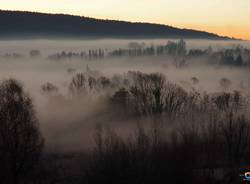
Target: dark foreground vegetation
[
  {"x": 20, "y": 140},
  {"x": 182, "y": 136}
]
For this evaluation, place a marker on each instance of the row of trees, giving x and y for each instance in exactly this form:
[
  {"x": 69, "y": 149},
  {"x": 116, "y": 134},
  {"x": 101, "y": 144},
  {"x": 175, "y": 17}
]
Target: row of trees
[
  {"x": 236, "y": 56},
  {"x": 135, "y": 50},
  {"x": 93, "y": 82},
  {"x": 89, "y": 55}
]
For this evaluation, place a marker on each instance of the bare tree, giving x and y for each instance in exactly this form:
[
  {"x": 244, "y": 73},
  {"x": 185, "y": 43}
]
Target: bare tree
[
  {"x": 78, "y": 84},
  {"x": 229, "y": 102},
  {"x": 49, "y": 89},
  {"x": 148, "y": 92},
  {"x": 236, "y": 135},
  {"x": 20, "y": 140},
  {"x": 103, "y": 82}
]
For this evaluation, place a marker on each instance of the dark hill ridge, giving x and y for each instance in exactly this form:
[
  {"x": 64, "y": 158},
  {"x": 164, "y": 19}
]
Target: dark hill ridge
[{"x": 18, "y": 24}]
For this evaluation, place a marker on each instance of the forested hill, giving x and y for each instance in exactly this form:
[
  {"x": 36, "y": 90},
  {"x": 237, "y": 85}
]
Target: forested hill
[{"x": 18, "y": 24}]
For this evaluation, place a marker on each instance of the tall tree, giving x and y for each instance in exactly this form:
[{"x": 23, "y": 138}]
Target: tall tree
[{"x": 21, "y": 142}]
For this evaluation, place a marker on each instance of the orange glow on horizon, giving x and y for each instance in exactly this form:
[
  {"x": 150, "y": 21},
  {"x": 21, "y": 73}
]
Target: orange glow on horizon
[{"x": 223, "y": 17}]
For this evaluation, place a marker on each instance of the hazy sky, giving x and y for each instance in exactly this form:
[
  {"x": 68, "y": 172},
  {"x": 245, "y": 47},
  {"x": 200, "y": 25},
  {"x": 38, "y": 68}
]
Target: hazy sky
[{"x": 225, "y": 17}]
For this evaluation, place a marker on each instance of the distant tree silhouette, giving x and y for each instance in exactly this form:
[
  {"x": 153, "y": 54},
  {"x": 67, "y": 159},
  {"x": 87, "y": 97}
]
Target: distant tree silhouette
[
  {"x": 228, "y": 57},
  {"x": 49, "y": 88},
  {"x": 171, "y": 48},
  {"x": 78, "y": 84},
  {"x": 225, "y": 83},
  {"x": 239, "y": 61},
  {"x": 35, "y": 53},
  {"x": 103, "y": 82},
  {"x": 181, "y": 48}
]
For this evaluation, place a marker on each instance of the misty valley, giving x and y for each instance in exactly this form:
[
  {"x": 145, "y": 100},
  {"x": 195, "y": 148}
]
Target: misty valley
[{"x": 124, "y": 111}]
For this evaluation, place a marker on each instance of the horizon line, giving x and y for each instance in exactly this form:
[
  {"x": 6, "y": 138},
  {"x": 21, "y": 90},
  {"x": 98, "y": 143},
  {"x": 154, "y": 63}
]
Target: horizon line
[{"x": 142, "y": 22}]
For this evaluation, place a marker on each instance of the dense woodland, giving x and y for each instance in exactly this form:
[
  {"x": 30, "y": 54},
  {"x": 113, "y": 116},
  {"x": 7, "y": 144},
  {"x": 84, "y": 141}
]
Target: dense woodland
[{"x": 204, "y": 138}]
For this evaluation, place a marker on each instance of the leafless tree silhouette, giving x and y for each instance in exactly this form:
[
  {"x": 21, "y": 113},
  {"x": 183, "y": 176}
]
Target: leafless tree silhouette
[{"x": 20, "y": 140}]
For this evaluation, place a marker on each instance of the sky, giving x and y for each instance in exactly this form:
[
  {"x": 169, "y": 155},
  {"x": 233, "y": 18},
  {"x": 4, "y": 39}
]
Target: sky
[{"x": 224, "y": 17}]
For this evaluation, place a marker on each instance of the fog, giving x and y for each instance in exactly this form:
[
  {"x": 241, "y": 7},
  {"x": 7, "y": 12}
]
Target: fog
[
  {"x": 52, "y": 46},
  {"x": 67, "y": 122}
]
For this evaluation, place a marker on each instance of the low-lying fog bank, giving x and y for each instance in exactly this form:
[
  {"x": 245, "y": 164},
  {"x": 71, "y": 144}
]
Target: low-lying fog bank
[
  {"x": 68, "y": 122},
  {"x": 51, "y": 46}
]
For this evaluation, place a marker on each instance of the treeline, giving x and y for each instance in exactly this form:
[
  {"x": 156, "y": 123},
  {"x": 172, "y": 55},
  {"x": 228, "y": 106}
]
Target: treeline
[
  {"x": 237, "y": 56},
  {"x": 93, "y": 54}
]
